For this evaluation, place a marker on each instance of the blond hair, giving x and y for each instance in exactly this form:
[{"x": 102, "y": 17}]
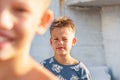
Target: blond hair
[{"x": 62, "y": 22}]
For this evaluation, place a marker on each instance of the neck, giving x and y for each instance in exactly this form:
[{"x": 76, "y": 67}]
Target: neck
[
  {"x": 66, "y": 60},
  {"x": 13, "y": 68}
]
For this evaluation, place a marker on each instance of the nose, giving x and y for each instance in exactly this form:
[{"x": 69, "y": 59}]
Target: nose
[
  {"x": 5, "y": 20},
  {"x": 61, "y": 42}
]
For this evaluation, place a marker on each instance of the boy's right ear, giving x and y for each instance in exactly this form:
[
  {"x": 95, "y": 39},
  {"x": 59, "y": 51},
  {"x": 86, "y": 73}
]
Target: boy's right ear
[
  {"x": 45, "y": 21},
  {"x": 50, "y": 41}
]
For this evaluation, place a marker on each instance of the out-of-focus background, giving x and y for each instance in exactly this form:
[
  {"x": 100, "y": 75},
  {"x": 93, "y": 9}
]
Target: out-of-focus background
[{"x": 98, "y": 35}]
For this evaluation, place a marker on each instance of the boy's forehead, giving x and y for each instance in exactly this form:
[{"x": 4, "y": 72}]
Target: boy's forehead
[
  {"x": 34, "y": 1},
  {"x": 42, "y": 1}
]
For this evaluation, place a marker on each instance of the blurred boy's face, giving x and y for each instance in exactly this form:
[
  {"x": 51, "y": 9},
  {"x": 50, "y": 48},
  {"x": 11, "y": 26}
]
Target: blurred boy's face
[
  {"x": 19, "y": 21},
  {"x": 62, "y": 40}
]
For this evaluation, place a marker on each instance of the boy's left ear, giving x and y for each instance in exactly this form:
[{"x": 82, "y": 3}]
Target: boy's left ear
[
  {"x": 74, "y": 41},
  {"x": 45, "y": 21}
]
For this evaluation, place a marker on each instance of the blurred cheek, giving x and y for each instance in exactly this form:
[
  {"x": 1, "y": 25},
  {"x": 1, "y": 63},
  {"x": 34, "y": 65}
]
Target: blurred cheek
[
  {"x": 54, "y": 45},
  {"x": 27, "y": 24}
]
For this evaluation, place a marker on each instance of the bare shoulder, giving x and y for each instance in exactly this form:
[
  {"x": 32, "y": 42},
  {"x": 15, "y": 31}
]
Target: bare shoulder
[{"x": 38, "y": 72}]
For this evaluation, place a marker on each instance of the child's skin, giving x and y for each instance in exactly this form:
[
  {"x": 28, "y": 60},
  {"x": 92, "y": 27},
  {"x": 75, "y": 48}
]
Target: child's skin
[
  {"x": 20, "y": 20},
  {"x": 62, "y": 45},
  {"x": 62, "y": 64}
]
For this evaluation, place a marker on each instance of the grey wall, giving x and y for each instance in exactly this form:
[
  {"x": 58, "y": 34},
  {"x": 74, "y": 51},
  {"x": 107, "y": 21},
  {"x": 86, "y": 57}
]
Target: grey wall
[
  {"x": 111, "y": 36},
  {"x": 98, "y": 40}
]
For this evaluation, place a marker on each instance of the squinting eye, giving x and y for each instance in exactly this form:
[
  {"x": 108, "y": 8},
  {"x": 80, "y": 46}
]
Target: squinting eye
[
  {"x": 64, "y": 39},
  {"x": 20, "y": 10},
  {"x": 55, "y": 39}
]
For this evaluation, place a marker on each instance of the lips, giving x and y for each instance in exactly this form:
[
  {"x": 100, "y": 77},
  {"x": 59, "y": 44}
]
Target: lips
[
  {"x": 6, "y": 35},
  {"x": 5, "y": 38},
  {"x": 60, "y": 48}
]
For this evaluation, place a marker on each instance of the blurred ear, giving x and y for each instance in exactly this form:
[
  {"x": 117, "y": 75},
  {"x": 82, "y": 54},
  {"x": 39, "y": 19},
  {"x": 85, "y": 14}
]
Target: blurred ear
[
  {"x": 74, "y": 41},
  {"x": 45, "y": 21},
  {"x": 50, "y": 41}
]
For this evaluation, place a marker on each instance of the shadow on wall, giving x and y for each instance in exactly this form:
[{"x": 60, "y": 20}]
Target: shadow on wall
[{"x": 100, "y": 73}]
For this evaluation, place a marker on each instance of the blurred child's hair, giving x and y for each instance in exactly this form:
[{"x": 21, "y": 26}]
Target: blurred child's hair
[{"x": 62, "y": 22}]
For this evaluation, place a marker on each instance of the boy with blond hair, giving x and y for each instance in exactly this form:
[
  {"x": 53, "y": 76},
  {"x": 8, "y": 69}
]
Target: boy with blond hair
[
  {"x": 62, "y": 64},
  {"x": 20, "y": 20}
]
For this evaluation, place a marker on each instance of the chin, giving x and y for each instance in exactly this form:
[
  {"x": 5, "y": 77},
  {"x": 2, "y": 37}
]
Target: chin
[
  {"x": 4, "y": 56},
  {"x": 62, "y": 54}
]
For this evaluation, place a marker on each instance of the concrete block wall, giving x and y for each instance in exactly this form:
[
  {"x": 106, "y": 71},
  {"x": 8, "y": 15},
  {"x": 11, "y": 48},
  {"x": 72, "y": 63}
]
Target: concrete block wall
[
  {"x": 98, "y": 40},
  {"x": 111, "y": 38}
]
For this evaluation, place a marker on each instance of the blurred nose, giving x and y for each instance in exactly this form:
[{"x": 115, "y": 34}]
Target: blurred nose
[
  {"x": 61, "y": 42},
  {"x": 5, "y": 20}
]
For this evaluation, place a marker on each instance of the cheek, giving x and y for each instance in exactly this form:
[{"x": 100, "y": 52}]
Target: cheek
[
  {"x": 24, "y": 30},
  {"x": 69, "y": 44},
  {"x": 54, "y": 45}
]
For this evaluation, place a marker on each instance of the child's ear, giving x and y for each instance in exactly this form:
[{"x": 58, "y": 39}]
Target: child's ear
[
  {"x": 74, "y": 41},
  {"x": 50, "y": 41},
  {"x": 45, "y": 21}
]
